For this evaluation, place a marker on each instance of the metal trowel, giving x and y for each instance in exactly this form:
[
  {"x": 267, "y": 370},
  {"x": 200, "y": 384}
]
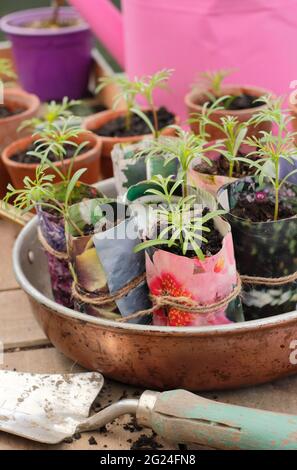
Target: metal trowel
[{"x": 50, "y": 408}]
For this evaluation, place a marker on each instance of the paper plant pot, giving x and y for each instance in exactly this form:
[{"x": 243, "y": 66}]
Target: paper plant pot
[
  {"x": 195, "y": 99},
  {"x": 202, "y": 281},
  {"x": 129, "y": 170},
  {"x": 86, "y": 268},
  {"x": 287, "y": 167},
  {"x": 210, "y": 183},
  {"x": 103, "y": 262},
  {"x": 265, "y": 249},
  {"x": 52, "y": 228}
]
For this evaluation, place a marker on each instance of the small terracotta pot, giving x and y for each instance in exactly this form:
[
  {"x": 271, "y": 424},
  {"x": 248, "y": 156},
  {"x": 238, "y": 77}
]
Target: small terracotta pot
[
  {"x": 100, "y": 119},
  {"x": 196, "y": 98},
  {"x": 14, "y": 98},
  {"x": 89, "y": 159}
]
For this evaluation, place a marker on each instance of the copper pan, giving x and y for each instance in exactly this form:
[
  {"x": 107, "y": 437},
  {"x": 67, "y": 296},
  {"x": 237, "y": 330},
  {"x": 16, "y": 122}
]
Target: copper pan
[{"x": 197, "y": 358}]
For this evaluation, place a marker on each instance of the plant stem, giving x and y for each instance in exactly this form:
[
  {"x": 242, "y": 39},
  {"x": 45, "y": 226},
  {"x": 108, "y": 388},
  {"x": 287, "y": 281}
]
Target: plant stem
[
  {"x": 276, "y": 207},
  {"x": 71, "y": 222},
  {"x": 128, "y": 120},
  {"x": 276, "y": 189},
  {"x": 185, "y": 185},
  {"x": 231, "y": 166},
  {"x": 155, "y": 117},
  {"x": 56, "y": 4}
]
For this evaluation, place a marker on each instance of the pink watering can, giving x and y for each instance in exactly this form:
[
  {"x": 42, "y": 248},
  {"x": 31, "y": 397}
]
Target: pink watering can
[{"x": 257, "y": 38}]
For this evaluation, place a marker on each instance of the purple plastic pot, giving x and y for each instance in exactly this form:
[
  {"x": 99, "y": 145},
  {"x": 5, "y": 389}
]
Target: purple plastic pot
[{"x": 52, "y": 63}]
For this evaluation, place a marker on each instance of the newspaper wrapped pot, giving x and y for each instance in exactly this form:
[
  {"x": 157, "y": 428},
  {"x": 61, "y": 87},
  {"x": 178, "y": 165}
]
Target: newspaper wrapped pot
[
  {"x": 87, "y": 271},
  {"x": 263, "y": 249},
  {"x": 129, "y": 170},
  {"x": 204, "y": 282},
  {"x": 211, "y": 182},
  {"x": 103, "y": 261},
  {"x": 52, "y": 230},
  {"x": 287, "y": 167}
]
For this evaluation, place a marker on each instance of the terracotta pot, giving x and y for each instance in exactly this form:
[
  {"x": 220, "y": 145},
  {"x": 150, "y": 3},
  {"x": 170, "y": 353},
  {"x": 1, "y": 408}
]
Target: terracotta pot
[
  {"x": 14, "y": 98},
  {"x": 89, "y": 159},
  {"x": 196, "y": 98},
  {"x": 98, "y": 120}
]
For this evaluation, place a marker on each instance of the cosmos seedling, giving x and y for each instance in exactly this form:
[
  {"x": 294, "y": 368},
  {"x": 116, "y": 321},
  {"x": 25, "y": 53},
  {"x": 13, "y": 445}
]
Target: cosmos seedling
[
  {"x": 180, "y": 226},
  {"x": 131, "y": 89},
  {"x": 234, "y": 136},
  {"x": 146, "y": 86},
  {"x": 53, "y": 113},
  {"x": 42, "y": 192},
  {"x": 211, "y": 84},
  {"x": 184, "y": 147},
  {"x": 54, "y": 140},
  {"x": 214, "y": 79},
  {"x": 127, "y": 93},
  {"x": 271, "y": 147}
]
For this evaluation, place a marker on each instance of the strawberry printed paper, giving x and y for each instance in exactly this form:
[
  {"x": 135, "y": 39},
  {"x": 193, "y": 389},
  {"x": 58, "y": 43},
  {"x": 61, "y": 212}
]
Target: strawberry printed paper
[{"x": 204, "y": 281}]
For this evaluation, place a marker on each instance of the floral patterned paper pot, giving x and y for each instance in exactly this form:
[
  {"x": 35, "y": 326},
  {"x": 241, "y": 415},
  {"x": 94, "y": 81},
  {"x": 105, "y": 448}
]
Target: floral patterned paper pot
[
  {"x": 263, "y": 249},
  {"x": 129, "y": 169},
  {"x": 103, "y": 261},
  {"x": 52, "y": 232},
  {"x": 205, "y": 282}
]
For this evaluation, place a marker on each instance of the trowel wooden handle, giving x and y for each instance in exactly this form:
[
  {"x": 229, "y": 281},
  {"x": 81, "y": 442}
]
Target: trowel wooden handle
[{"x": 183, "y": 417}]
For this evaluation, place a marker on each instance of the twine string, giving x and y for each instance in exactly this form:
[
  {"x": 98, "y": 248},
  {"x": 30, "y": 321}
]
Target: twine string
[
  {"x": 57, "y": 254},
  {"x": 106, "y": 298},
  {"x": 269, "y": 281},
  {"x": 181, "y": 303}
]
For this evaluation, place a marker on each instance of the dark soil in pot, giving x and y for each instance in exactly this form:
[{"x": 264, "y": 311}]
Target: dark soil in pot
[
  {"x": 23, "y": 157},
  {"x": 6, "y": 111},
  {"x": 117, "y": 127},
  {"x": 221, "y": 167},
  {"x": 237, "y": 102},
  {"x": 262, "y": 210},
  {"x": 212, "y": 247}
]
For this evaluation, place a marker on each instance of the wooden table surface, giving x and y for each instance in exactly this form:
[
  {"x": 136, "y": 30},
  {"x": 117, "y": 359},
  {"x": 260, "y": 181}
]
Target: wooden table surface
[{"x": 27, "y": 349}]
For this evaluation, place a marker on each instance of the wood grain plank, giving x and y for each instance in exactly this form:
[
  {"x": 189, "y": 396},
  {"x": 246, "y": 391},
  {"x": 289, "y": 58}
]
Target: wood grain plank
[
  {"x": 18, "y": 326},
  {"x": 49, "y": 360},
  {"x": 8, "y": 234}
]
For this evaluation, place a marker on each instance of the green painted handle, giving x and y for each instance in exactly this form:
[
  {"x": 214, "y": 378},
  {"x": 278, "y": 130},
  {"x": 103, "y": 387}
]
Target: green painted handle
[{"x": 183, "y": 417}]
